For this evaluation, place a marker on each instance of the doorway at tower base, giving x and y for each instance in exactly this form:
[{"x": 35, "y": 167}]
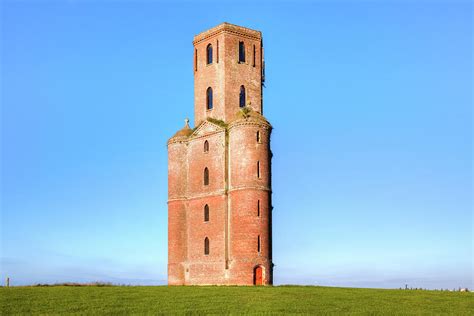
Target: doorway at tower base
[{"x": 258, "y": 275}]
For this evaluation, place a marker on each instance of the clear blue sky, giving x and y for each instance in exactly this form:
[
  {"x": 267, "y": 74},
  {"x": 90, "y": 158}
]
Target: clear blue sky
[{"x": 371, "y": 104}]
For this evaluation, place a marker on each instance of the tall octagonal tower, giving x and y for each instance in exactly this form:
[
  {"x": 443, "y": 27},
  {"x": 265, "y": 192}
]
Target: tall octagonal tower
[{"x": 219, "y": 173}]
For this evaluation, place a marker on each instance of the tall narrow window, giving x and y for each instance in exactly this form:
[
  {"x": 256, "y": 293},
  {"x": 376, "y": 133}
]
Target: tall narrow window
[
  {"x": 242, "y": 97},
  {"x": 258, "y": 169},
  {"x": 206, "y": 176},
  {"x": 254, "y": 57},
  {"x": 258, "y": 242},
  {"x": 209, "y": 54},
  {"x": 217, "y": 52},
  {"x": 258, "y": 208},
  {"x": 206, "y": 213},
  {"x": 206, "y": 246},
  {"x": 209, "y": 98},
  {"x": 206, "y": 146},
  {"x": 241, "y": 52},
  {"x": 195, "y": 60},
  {"x": 258, "y": 136}
]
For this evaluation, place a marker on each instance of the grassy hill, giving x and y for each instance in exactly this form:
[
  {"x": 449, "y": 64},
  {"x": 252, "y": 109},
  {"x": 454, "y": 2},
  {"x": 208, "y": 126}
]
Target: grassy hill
[{"x": 230, "y": 300}]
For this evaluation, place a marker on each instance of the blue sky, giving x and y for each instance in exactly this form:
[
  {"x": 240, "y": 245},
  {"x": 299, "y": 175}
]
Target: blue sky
[{"x": 371, "y": 104}]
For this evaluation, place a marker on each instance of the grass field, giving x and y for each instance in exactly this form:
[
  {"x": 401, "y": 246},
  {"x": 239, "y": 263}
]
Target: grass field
[{"x": 230, "y": 300}]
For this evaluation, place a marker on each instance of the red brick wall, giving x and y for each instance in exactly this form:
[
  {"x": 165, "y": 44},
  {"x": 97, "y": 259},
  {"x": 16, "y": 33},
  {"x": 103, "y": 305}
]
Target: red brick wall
[
  {"x": 209, "y": 75},
  {"x": 177, "y": 241},
  {"x": 226, "y": 74},
  {"x": 245, "y": 74},
  {"x": 246, "y": 189},
  {"x": 234, "y": 189},
  {"x": 177, "y": 179},
  {"x": 213, "y": 160}
]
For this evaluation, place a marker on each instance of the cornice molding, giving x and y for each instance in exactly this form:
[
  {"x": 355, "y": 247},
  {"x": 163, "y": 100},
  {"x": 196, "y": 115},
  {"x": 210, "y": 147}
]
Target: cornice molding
[
  {"x": 250, "y": 187},
  {"x": 227, "y": 28},
  {"x": 219, "y": 193},
  {"x": 174, "y": 140},
  {"x": 195, "y": 197},
  {"x": 246, "y": 122}
]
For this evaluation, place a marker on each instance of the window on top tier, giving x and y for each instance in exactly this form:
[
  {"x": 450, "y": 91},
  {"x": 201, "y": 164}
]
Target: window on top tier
[
  {"x": 241, "y": 52},
  {"x": 209, "y": 98},
  {"x": 209, "y": 54},
  {"x": 254, "y": 55}
]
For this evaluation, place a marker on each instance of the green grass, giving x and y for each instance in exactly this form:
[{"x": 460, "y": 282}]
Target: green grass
[{"x": 120, "y": 300}]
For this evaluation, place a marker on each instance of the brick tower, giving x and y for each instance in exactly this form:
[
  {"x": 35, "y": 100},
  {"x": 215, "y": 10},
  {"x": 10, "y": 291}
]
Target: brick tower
[{"x": 219, "y": 173}]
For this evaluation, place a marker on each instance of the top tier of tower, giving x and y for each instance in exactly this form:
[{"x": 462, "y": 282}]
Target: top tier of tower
[{"x": 228, "y": 72}]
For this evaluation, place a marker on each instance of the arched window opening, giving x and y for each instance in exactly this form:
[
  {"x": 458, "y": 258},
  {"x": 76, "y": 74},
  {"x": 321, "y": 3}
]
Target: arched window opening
[
  {"x": 195, "y": 60},
  {"x": 206, "y": 213},
  {"x": 258, "y": 169},
  {"x": 241, "y": 52},
  {"x": 206, "y": 146},
  {"x": 258, "y": 208},
  {"x": 206, "y": 176},
  {"x": 209, "y": 54},
  {"x": 254, "y": 57},
  {"x": 258, "y": 136},
  {"x": 258, "y": 242},
  {"x": 209, "y": 98},
  {"x": 206, "y": 246},
  {"x": 242, "y": 97}
]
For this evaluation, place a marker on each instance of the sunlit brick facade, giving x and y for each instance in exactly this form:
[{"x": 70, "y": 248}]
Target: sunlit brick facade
[{"x": 219, "y": 173}]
